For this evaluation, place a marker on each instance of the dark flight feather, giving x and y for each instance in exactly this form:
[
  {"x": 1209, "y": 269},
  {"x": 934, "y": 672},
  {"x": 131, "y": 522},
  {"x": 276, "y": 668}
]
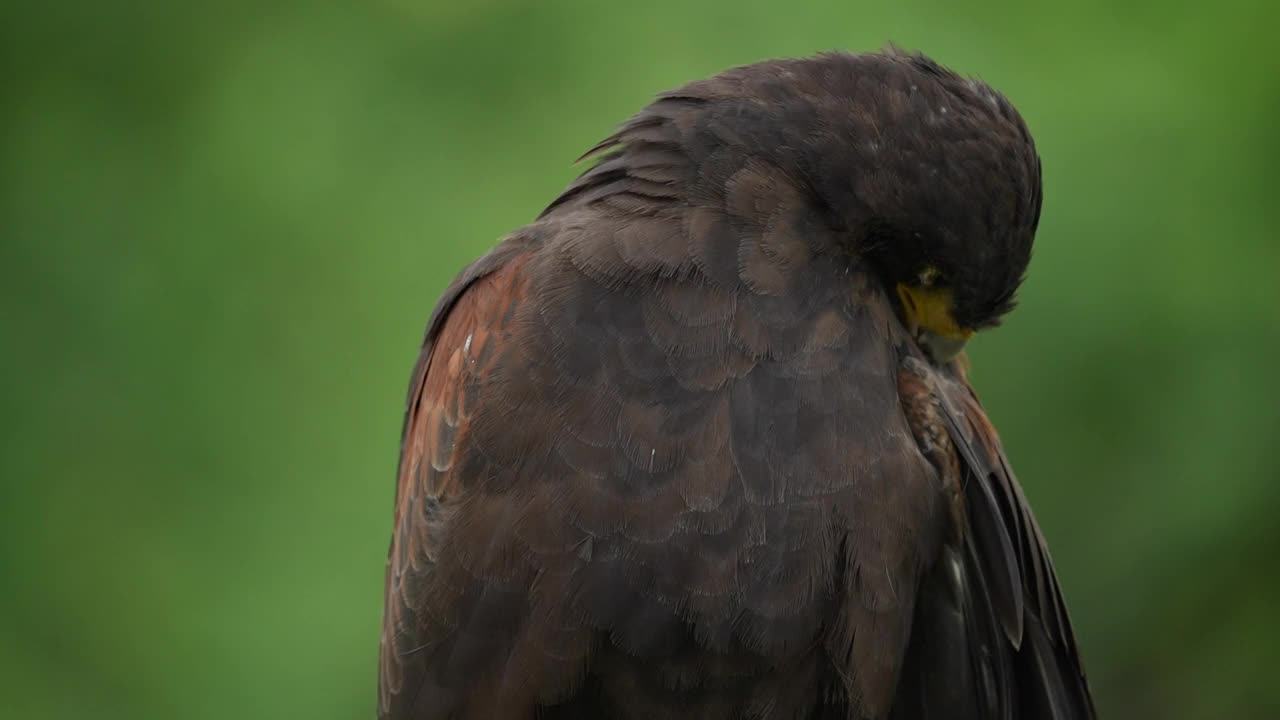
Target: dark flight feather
[{"x": 1036, "y": 672}]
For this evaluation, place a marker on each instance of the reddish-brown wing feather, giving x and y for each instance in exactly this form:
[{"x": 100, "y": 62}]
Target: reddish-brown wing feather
[{"x": 470, "y": 321}]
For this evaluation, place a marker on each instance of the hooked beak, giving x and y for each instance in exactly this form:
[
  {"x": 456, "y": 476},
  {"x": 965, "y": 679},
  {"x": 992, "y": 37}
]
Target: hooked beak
[{"x": 929, "y": 317}]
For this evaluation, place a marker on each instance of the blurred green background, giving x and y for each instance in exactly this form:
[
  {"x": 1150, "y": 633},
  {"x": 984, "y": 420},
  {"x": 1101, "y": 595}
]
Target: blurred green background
[{"x": 223, "y": 227}]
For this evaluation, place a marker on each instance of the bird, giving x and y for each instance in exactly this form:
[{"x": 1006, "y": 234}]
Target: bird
[{"x": 699, "y": 441}]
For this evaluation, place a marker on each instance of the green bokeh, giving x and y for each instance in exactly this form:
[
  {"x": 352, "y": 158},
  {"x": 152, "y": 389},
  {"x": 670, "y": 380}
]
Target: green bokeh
[{"x": 223, "y": 226}]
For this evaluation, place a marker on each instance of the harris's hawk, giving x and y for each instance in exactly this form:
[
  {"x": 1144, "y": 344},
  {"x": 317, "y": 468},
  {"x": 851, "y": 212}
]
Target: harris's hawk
[{"x": 698, "y": 442}]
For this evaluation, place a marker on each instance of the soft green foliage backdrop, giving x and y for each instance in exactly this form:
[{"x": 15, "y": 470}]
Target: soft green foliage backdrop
[{"x": 224, "y": 225}]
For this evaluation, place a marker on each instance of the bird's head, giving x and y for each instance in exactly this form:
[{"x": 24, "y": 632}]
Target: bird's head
[
  {"x": 930, "y": 177},
  {"x": 946, "y": 207}
]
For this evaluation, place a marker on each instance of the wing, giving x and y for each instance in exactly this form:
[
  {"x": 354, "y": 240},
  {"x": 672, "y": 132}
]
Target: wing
[
  {"x": 631, "y": 486},
  {"x": 993, "y": 638},
  {"x": 468, "y": 325}
]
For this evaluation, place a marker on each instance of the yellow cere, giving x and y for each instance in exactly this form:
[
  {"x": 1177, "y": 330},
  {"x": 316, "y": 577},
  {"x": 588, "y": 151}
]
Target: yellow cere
[{"x": 930, "y": 308}]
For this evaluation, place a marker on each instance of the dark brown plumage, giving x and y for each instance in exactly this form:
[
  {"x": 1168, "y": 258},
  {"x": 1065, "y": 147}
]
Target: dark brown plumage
[{"x": 691, "y": 445}]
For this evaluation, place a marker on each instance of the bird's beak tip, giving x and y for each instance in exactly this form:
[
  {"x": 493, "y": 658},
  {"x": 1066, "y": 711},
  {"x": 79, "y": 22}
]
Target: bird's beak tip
[{"x": 941, "y": 348}]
